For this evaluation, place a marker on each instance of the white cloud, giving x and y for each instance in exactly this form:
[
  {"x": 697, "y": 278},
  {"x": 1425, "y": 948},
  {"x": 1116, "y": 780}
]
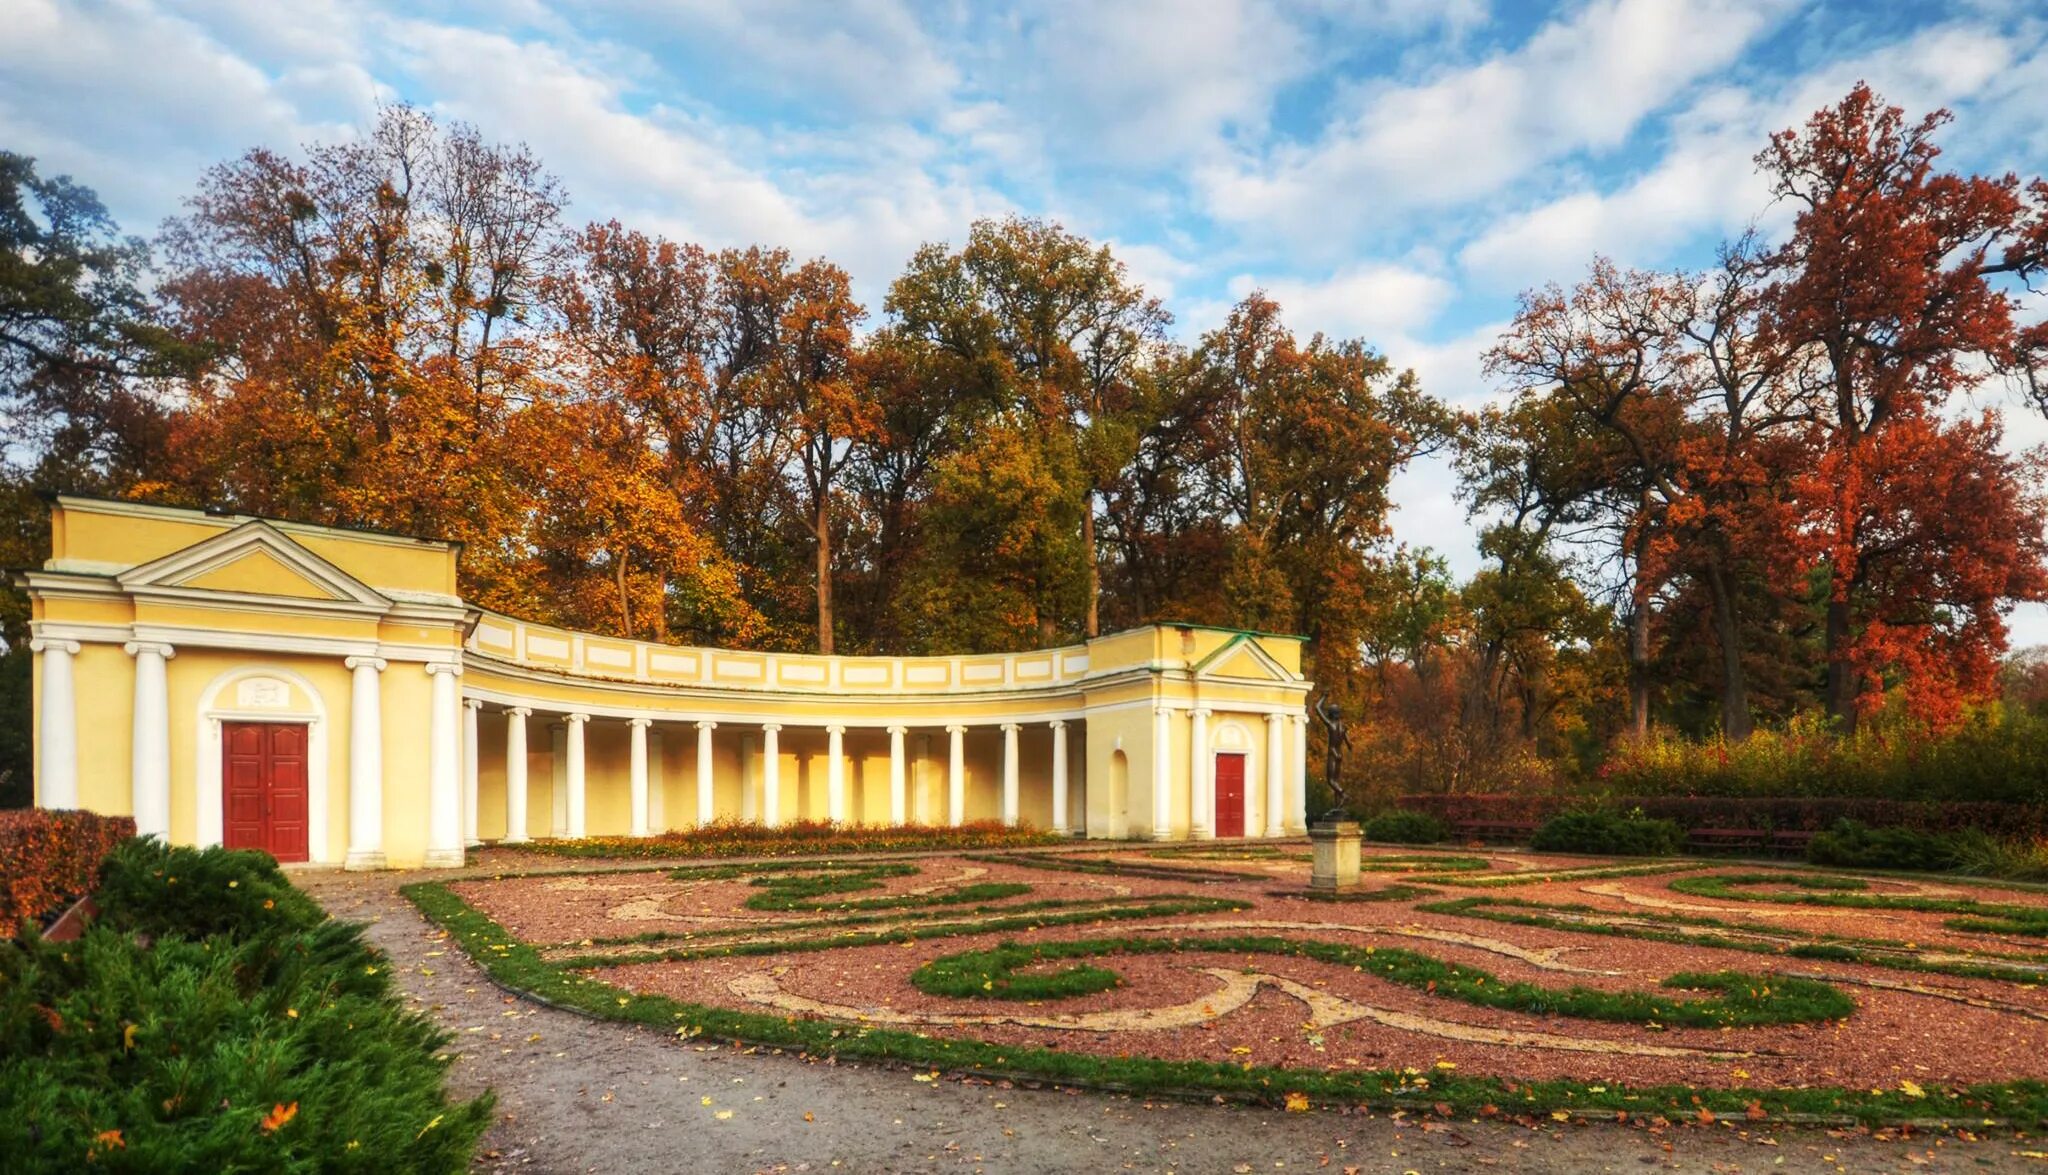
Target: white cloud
[
  {"x": 1372, "y": 301},
  {"x": 1707, "y": 182},
  {"x": 1581, "y": 83}
]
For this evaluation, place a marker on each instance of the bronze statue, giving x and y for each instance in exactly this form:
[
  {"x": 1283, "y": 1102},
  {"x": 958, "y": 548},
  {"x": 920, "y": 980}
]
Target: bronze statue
[{"x": 1333, "y": 754}]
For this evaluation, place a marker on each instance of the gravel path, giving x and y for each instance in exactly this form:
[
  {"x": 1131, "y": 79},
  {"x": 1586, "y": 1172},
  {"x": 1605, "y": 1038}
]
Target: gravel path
[{"x": 581, "y": 1095}]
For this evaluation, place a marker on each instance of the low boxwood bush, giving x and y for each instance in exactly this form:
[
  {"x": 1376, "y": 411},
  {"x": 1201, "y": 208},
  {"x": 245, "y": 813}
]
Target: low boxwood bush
[
  {"x": 217, "y": 1022},
  {"x": 1403, "y": 827},
  {"x": 1858, "y": 846},
  {"x": 1609, "y": 834},
  {"x": 50, "y": 859}
]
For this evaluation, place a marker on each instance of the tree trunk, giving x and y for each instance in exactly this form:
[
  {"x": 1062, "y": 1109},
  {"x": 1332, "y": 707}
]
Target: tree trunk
[
  {"x": 625, "y": 600},
  {"x": 1639, "y": 668},
  {"x": 824, "y": 526},
  {"x": 1094, "y": 571},
  {"x": 1841, "y": 687},
  {"x": 661, "y": 609},
  {"x": 1735, "y": 720}
]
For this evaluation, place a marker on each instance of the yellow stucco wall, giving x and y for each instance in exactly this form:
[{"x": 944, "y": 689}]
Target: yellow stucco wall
[{"x": 237, "y": 597}]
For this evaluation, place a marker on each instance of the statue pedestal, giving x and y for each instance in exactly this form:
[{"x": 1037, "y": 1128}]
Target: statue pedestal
[{"x": 1335, "y": 867}]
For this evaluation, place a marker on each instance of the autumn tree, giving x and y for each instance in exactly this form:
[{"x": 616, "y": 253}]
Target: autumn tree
[{"x": 1890, "y": 282}]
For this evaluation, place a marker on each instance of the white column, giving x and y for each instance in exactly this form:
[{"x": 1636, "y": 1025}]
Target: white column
[
  {"x": 835, "y": 774},
  {"x": 1297, "y": 780},
  {"x": 657, "y": 783},
  {"x": 956, "y": 776},
  {"x": 469, "y": 769},
  {"x": 897, "y": 808},
  {"x": 1276, "y": 775},
  {"x": 150, "y": 768},
  {"x": 515, "y": 775},
  {"x": 771, "y": 775},
  {"x": 1010, "y": 774},
  {"x": 444, "y": 768},
  {"x": 636, "y": 776},
  {"x": 706, "y": 811},
  {"x": 57, "y": 732},
  {"x": 920, "y": 781},
  {"x": 1162, "y": 773},
  {"x": 1201, "y": 804},
  {"x": 573, "y": 754},
  {"x": 365, "y": 764},
  {"x": 1059, "y": 776}
]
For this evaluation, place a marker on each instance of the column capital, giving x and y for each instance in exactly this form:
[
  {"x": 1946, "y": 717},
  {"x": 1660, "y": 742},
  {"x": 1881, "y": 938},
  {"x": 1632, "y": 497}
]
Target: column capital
[
  {"x": 451, "y": 668},
  {"x": 899, "y": 730},
  {"x": 1162, "y": 711},
  {"x": 1012, "y": 727},
  {"x": 1277, "y": 717},
  {"x": 519, "y": 711},
  {"x": 642, "y": 723},
  {"x": 1058, "y": 724},
  {"x": 1200, "y": 712},
  {"x": 956, "y": 728},
  {"x": 137, "y": 648},
  {"x": 377, "y": 663},
  {"x": 707, "y": 724},
  {"x": 577, "y": 719},
  {"x": 771, "y": 727},
  {"x": 44, "y": 644},
  {"x": 835, "y": 729},
  {"x": 473, "y": 703}
]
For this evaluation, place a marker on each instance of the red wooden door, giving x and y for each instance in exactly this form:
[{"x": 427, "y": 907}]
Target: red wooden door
[
  {"x": 1229, "y": 795},
  {"x": 263, "y": 787}
]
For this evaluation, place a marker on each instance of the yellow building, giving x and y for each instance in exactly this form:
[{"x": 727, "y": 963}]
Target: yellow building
[{"x": 326, "y": 694}]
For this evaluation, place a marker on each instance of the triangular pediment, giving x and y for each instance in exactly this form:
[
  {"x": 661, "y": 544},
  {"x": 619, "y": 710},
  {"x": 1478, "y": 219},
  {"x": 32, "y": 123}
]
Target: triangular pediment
[
  {"x": 1241, "y": 659},
  {"x": 253, "y": 560}
]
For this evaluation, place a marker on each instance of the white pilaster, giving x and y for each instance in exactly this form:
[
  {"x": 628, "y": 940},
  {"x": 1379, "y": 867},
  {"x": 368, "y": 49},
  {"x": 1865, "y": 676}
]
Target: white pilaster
[
  {"x": 515, "y": 775},
  {"x": 835, "y": 774},
  {"x": 365, "y": 764},
  {"x": 573, "y": 753},
  {"x": 57, "y": 732},
  {"x": 898, "y": 810},
  {"x": 1297, "y": 779},
  {"x": 1276, "y": 775},
  {"x": 1201, "y": 778},
  {"x": 470, "y": 709},
  {"x": 771, "y": 774},
  {"x": 706, "y": 811},
  {"x": 444, "y": 768},
  {"x": 1010, "y": 774},
  {"x": 956, "y": 776},
  {"x": 150, "y": 769},
  {"x": 1162, "y": 773},
  {"x": 637, "y": 774},
  {"x": 1059, "y": 776}
]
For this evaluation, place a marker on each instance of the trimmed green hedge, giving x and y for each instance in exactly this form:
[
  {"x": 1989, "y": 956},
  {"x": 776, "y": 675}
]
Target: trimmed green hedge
[
  {"x": 212, "y": 1019},
  {"x": 1609, "y": 834}
]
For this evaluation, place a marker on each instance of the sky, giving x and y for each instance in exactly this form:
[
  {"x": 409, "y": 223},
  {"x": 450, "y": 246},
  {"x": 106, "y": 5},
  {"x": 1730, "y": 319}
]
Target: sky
[{"x": 1392, "y": 170}]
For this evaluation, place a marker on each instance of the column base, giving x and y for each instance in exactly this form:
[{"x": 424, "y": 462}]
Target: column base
[
  {"x": 443, "y": 859},
  {"x": 1164, "y": 834},
  {"x": 1202, "y": 834},
  {"x": 521, "y": 839},
  {"x": 359, "y": 862},
  {"x": 472, "y": 843}
]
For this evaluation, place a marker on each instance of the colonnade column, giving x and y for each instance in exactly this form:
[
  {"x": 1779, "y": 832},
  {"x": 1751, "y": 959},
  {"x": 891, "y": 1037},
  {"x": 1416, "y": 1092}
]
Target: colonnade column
[
  {"x": 1162, "y": 773},
  {"x": 771, "y": 775},
  {"x": 1059, "y": 776},
  {"x": 705, "y": 811},
  {"x": 1010, "y": 774},
  {"x": 515, "y": 775},
  {"x": 835, "y": 774},
  {"x": 150, "y": 768},
  {"x": 57, "y": 733},
  {"x": 444, "y": 768},
  {"x": 956, "y": 776},
  {"x": 897, "y": 808},
  {"x": 1276, "y": 775},
  {"x": 365, "y": 764},
  {"x": 636, "y": 773},
  {"x": 1297, "y": 779},
  {"x": 470, "y": 709},
  {"x": 573, "y": 754},
  {"x": 1201, "y": 807}
]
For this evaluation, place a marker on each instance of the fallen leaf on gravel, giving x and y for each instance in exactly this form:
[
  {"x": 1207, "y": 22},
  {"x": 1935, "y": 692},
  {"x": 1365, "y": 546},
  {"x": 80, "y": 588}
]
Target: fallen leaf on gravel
[
  {"x": 723, "y": 1115},
  {"x": 1297, "y": 1103}
]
